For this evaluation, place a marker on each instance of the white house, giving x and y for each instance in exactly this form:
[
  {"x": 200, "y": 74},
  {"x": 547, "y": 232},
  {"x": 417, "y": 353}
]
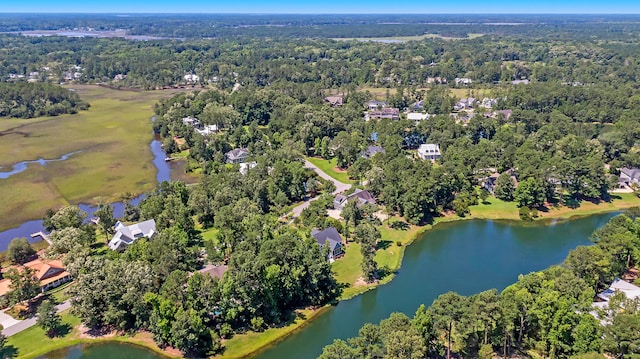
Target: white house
[
  {"x": 208, "y": 130},
  {"x": 417, "y": 116},
  {"x": 191, "y": 78},
  {"x": 125, "y": 235},
  {"x": 429, "y": 151}
]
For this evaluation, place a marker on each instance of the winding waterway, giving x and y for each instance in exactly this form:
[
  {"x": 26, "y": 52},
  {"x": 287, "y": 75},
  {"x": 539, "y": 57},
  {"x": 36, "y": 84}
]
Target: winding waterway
[
  {"x": 466, "y": 257},
  {"x": 22, "y": 166},
  {"x": 33, "y": 226}
]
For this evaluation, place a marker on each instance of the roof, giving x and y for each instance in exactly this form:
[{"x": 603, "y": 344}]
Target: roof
[
  {"x": 125, "y": 235},
  {"x": 329, "y": 234},
  {"x": 417, "y": 116},
  {"x": 371, "y": 151},
  {"x": 631, "y": 291},
  {"x": 214, "y": 271},
  {"x": 237, "y": 153},
  {"x": 45, "y": 271},
  {"x": 630, "y": 172},
  {"x": 429, "y": 149},
  {"x": 334, "y": 100},
  {"x": 362, "y": 197}
]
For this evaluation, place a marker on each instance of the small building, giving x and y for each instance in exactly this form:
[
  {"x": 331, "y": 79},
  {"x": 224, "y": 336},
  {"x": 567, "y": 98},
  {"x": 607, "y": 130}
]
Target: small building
[
  {"x": 371, "y": 151},
  {"x": 629, "y": 176},
  {"x": 463, "y": 81},
  {"x": 191, "y": 78},
  {"x": 334, "y": 101},
  {"x": 126, "y": 235},
  {"x": 237, "y": 155},
  {"x": 520, "y": 82},
  {"x": 387, "y": 112},
  {"x": 49, "y": 273},
  {"x": 489, "y": 182},
  {"x": 417, "y": 116},
  {"x": 331, "y": 238},
  {"x": 245, "y": 167},
  {"x": 191, "y": 121},
  {"x": 215, "y": 271},
  {"x": 361, "y": 196},
  {"x": 375, "y": 105},
  {"x": 119, "y": 77},
  {"x": 418, "y": 105},
  {"x": 207, "y": 130},
  {"x": 429, "y": 151}
]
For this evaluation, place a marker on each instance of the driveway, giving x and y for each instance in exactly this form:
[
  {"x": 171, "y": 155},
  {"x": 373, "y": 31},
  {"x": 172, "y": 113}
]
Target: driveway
[
  {"x": 340, "y": 187},
  {"x": 6, "y": 320},
  {"x": 21, "y": 325}
]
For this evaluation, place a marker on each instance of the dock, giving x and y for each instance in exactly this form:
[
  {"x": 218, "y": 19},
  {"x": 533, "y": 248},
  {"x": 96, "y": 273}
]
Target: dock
[{"x": 43, "y": 235}]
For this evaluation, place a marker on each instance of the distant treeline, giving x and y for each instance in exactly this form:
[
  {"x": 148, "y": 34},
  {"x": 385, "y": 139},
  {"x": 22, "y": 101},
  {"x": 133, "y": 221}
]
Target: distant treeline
[{"x": 27, "y": 100}]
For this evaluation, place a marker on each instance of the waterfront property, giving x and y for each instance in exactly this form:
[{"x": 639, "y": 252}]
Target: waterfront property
[
  {"x": 361, "y": 196},
  {"x": 629, "y": 176},
  {"x": 331, "y": 238},
  {"x": 125, "y": 235},
  {"x": 49, "y": 274}
]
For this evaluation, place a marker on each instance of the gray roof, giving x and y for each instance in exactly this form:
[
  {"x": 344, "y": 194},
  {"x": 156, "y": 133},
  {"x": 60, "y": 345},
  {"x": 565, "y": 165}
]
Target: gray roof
[
  {"x": 633, "y": 173},
  {"x": 237, "y": 153},
  {"x": 214, "y": 271},
  {"x": 329, "y": 234},
  {"x": 371, "y": 151},
  {"x": 362, "y": 196},
  {"x": 125, "y": 235}
]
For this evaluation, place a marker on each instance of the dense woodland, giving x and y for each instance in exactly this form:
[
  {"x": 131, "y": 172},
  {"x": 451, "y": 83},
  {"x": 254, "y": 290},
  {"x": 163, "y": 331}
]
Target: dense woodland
[
  {"x": 548, "y": 312},
  {"x": 27, "y": 100},
  {"x": 569, "y": 132}
]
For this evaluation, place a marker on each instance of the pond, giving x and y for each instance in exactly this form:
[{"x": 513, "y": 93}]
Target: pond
[
  {"x": 103, "y": 351},
  {"x": 466, "y": 257},
  {"x": 25, "y": 229}
]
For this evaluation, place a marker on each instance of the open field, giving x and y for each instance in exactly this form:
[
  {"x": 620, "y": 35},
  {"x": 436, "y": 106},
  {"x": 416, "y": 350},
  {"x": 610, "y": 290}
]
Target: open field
[{"x": 113, "y": 137}]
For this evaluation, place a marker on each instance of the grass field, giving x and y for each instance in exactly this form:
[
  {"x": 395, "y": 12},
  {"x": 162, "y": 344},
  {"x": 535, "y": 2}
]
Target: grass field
[
  {"x": 328, "y": 167},
  {"x": 113, "y": 137}
]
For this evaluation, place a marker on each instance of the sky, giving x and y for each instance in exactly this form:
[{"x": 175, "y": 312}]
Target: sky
[{"x": 326, "y": 6}]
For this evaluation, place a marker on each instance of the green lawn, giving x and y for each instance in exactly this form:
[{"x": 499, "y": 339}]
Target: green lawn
[
  {"x": 328, "y": 167},
  {"x": 113, "y": 137}
]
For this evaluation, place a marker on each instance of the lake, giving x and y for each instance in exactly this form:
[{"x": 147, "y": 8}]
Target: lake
[
  {"x": 103, "y": 351},
  {"x": 466, "y": 257}
]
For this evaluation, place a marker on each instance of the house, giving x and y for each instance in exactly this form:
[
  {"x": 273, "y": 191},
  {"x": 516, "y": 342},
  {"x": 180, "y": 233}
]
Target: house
[
  {"x": 489, "y": 182},
  {"x": 191, "y": 78},
  {"x": 334, "y": 101},
  {"x": 371, "y": 151},
  {"x": 417, "y": 116},
  {"x": 629, "y": 176},
  {"x": 361, "y": 196},
  {"x": 463, "y": 81},
  {"x": 207, "y": 130},
  {"x": 429, "y": 151},
  {"x": 119, "y": 77},
  {"x": 191, "y": 121},
  {"x": 49, "y": 273},
  {"x": 237, "y": 155},
  {"x": 618, "y": 286},
  {"x": 125, "y": 235},
  {"x": 520, "y": 82},
  {"x": 488, "y": 102},
  {"x": 331, "y": 238},
  {"x": 464, "y": 103},
  {"x": 387, "y": 112},
  {"x": 374, "y": 105},
  {"x": 419, "y": 105},
  {"x": 436, "y": 80},
  {"x": 215, "y": 271},
  {"x": 245, "y": 167}
]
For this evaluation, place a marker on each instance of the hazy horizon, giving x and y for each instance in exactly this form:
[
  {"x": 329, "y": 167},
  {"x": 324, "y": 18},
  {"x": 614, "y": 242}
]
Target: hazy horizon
[{"x": 329, "y": 7}]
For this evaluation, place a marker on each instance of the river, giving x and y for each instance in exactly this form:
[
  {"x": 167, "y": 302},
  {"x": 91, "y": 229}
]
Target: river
[
  {"x": 466, "y": 257},
  {"x": 34, "y": 226}
]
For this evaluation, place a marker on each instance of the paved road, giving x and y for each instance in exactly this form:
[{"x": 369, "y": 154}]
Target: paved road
[
  {"x": 28, "y": 323},
  {"x": 340, "y": 187}
]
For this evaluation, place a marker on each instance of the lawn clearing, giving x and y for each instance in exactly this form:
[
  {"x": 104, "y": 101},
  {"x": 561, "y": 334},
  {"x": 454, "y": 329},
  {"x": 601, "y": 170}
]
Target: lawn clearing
[
  {"x": 328, "y": 167},
  {"x": 113, "y": 137}
]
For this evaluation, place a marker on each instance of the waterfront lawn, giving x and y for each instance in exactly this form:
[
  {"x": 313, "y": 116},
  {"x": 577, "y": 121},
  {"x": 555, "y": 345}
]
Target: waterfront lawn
[
  {"x": 327, "y": 166},
  {"x": 242, "y": 345},
  {"x": 113, "y": 137}
]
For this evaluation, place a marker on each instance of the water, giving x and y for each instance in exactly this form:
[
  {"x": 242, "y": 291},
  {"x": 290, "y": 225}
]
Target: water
[
  {"x": 103, "y": 351},
  {"x": 22, "y": 166},
  {"x": 33, "y": 226},
  {"x": 466, "y": 257}
]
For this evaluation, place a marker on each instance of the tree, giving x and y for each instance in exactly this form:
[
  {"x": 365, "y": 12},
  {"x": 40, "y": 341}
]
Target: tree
[
  {"x": 190, "y": 335},
  {"x": 530, "y": 193},
  {"x": 19, "y": 250},
  {"x": 67, "y": 239},
  {"x": 446, "y": 311},
  {"x": 505, "y": 189},
  {"x": 48, "y": 318},
  {"x": 339, "y": 349},
  {"x": 106, "y": 221},
  {"x": 68, "y": 216},
  {"x": 368, "y": 236},
  {"x": 24, "y": 284}
]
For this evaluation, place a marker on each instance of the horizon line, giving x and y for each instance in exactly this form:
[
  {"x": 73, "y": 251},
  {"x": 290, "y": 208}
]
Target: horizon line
[{"x": 310, "y": 13}]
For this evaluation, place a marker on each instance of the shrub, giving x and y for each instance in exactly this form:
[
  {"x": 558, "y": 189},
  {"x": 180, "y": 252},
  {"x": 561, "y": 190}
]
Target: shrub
[
  {"x": 257, "y": 324},
  {"x": 525, "y": 214}
]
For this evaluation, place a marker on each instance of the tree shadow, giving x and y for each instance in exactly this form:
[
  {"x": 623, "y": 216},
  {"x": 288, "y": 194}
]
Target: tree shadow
[
  {"x": 9, "y": 351},
  {"x": 62, "y": 330},
  {"x": 486, "y": 202},
  {"x": 400, "y": 225},
  {"x": 571, "y": 202},
  {"x": 384, "y": 244},
  {"x": 383, "y": 272}
]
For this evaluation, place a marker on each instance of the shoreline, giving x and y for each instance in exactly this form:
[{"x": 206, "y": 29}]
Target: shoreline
[{"x": 418, "y": 232}]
